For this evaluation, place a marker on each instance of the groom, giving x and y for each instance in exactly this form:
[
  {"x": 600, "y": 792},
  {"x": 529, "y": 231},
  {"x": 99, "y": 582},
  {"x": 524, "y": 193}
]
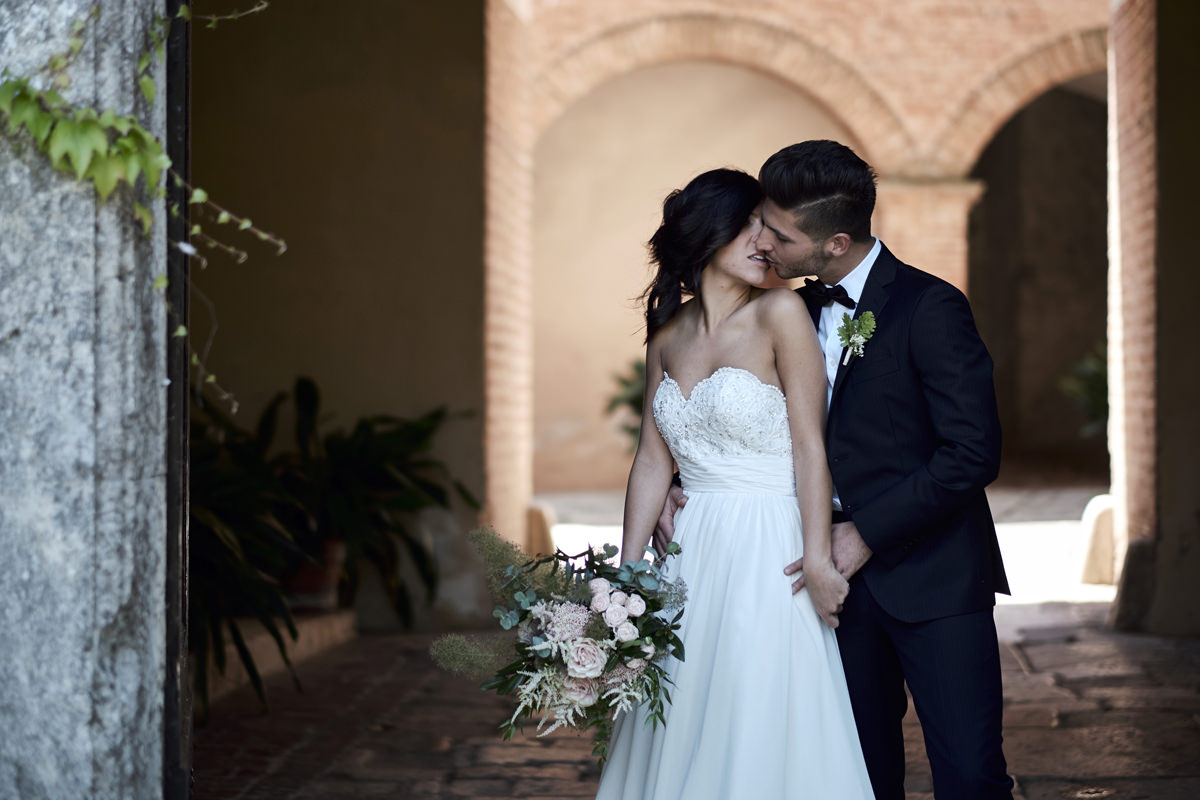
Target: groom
[{"x": 912, "y": 438}]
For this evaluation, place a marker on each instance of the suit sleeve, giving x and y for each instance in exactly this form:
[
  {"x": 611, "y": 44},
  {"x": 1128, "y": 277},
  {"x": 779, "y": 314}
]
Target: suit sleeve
[{"x": 955, "y": 374}]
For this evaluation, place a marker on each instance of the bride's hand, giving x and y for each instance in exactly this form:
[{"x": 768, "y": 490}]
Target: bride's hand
[{"x": 828, "y": 590}]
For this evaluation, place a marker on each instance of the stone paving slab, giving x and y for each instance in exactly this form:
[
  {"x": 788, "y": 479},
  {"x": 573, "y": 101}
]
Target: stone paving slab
[{"x": 1088, "y": 714}]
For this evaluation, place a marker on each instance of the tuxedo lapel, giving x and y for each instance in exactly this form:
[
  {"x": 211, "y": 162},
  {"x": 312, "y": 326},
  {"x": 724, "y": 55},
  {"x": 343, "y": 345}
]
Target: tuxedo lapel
[{"x": 874, "y": 297}]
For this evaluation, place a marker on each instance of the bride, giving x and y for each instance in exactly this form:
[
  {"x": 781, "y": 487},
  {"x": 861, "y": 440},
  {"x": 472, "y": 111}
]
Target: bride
[{"x": 735, "y": 395}]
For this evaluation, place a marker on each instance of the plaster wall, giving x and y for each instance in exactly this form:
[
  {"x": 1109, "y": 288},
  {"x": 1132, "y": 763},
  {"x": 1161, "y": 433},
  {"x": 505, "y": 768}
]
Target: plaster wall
[
  {"x": 602, "y": 172},
  {"x": 357, "y": 136}
]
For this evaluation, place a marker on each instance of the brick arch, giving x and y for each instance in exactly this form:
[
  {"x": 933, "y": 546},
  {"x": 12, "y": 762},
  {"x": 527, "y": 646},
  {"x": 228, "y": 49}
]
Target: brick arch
[
  {"x": 957, "y": 145},
  {"x": 882, "y": 135}
]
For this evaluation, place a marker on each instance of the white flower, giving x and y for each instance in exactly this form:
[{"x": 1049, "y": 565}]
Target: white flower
[
  {"x": 626, "y": 631},
  {"x": 599, "y": 586},
  {"x": 648, "y": 649},
  {"x": 635, "y": 605},
  {"x": 618, "y": 597},
  {"x": 600, "y": 602},
  {"x": 585, "y": 659},
  {"x": 581, "y": 691},
  {"x": 568, "y": 622},
  {"x": 636, "y": 664},
  {"x": 615, "y": 615}
]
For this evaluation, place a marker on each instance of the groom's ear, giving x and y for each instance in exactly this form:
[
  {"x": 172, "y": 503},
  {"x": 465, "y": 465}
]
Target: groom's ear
[{"x": 838, "y": 244}]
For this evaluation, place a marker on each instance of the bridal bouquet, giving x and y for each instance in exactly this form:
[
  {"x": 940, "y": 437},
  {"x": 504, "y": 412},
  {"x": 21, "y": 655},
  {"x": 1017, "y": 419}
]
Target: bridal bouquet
[{"x": 590, "y": 637}]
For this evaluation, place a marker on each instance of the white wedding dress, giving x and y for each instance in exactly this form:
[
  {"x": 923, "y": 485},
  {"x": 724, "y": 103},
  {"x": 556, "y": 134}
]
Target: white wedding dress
[{"x": 759, "y": 708}]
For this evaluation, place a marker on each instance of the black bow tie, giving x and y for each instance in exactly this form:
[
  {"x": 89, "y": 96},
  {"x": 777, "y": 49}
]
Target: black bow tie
[{"x": 817, "y": 295}]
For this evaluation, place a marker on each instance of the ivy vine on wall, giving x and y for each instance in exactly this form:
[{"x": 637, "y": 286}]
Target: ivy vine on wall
[{"x": 113, "y": 151}]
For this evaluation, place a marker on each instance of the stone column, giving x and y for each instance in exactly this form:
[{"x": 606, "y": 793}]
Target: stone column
[
  {"x": 924, "y": 223},
  {"x": 82, "y": 437}
]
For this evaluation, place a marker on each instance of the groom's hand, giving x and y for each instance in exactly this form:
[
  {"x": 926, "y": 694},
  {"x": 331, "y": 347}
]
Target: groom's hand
[
  {"x": 850, "y": 552},
  {"x": 664, "y": 532}
]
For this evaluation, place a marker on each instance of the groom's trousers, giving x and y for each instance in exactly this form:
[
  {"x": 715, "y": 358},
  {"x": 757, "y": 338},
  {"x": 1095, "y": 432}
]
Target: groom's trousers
[{"x": 952, "y": 668}]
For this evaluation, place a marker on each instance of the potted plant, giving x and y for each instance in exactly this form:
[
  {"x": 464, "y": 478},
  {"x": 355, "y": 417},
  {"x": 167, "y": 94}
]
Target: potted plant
[
  {"x": 237, "y": 546},
  {"x": 363, "y": 488}
]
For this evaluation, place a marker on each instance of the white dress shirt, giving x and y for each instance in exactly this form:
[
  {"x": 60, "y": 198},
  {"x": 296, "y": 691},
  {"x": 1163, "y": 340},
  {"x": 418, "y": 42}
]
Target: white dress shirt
[{"x": 831, "y": 319}]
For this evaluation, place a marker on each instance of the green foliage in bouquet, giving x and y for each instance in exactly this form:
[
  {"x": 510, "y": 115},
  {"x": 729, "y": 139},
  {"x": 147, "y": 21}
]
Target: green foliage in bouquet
[{"x": 591, "y": 637}]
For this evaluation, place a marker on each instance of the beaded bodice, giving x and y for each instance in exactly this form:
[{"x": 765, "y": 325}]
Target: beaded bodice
[{"x": 729, "y": 413}]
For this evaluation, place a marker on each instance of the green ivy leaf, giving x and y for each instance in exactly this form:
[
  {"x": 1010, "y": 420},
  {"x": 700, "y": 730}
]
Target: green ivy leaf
[
  {"x": 106, "y": 172},
  {"x": 75, "y": 43},
  {"x": 211, "y": 379},
  {"x": 194, "y": 231},
  {"x": 244, "y": 224},
  {"x": 180, "y": 332},
  {"x": 223, "y": 217},
  {"x": 145, "y": 217},
  {"x": 198, "y": 196},
  {"x": 160, "y": 282},
  {"x": 62, "y": 139},
  {"x": 146, "y": 83},
  {"x": 154, "y": 161},
  {"x": 185, "y": 12},
  {"x": 78, "y": 140},
  {"x": 28, "y": 111},
  {"x": 7, "y": 90},
  {"x": 143, "y": 63}
]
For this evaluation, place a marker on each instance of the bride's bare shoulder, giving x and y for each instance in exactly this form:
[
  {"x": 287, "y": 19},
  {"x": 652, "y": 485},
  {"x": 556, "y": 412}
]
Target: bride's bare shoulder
[{"x": 779, "y": 300}]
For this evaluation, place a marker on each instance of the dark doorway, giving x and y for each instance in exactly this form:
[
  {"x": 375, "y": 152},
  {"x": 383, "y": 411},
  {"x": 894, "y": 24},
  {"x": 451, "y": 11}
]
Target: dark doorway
[{"x": 1038, "y": 277}]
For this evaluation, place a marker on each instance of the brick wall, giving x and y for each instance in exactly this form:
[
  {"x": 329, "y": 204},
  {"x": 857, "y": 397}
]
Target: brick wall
[
  {"x": 1132, "y": 198},
  {"x": 922, "y": 85}
]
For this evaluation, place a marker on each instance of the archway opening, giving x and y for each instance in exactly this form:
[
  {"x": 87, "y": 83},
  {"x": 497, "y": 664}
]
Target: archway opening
[
  {"x": 1038, "y": 281},
  {"x": 601, "y": 171}
]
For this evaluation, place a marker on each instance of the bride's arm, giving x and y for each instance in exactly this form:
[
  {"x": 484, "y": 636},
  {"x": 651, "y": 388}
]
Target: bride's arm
[
  {"x": 800, "y": 364},
  {"x": 650, "y": 476}
]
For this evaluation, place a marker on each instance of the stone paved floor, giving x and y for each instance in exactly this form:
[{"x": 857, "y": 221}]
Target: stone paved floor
[{"x": 1089, "y": 714}]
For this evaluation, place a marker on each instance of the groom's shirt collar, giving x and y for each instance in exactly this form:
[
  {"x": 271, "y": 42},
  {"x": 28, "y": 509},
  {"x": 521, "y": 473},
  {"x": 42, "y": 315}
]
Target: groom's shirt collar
[{"x": 854, "y": 282}]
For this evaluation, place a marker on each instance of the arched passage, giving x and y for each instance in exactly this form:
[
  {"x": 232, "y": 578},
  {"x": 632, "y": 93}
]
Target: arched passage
[
  {"x": 957, "y": 144},
  {"x": 601, "y": 171},
  {"x": 1038, "y": 275}
]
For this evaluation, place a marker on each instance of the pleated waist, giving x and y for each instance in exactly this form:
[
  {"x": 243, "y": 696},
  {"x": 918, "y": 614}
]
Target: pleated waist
[{"x": 757, "y": 474}]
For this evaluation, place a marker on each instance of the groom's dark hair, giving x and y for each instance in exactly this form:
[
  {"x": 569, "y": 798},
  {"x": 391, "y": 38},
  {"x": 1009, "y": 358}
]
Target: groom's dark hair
[{"x": 825, "y": 185}]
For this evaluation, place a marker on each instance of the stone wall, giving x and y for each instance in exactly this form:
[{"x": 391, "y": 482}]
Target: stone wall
[{"x": 82, "y": 410}]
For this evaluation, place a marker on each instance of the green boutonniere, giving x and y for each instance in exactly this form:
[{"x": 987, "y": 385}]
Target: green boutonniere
[{"x": 854, "y": 333}]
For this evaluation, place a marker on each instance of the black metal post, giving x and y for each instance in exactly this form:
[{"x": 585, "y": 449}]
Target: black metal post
[{"x": 177, "y": 706}]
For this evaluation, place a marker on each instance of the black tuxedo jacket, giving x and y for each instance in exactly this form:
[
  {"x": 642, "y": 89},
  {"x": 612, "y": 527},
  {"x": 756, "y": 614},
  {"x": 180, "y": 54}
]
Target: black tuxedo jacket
[{"x": 912, "y": 438}]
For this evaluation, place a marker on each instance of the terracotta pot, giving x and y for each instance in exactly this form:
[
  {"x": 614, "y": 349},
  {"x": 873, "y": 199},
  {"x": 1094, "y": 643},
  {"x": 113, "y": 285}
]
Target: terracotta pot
[{"x": 314, "y": 587}]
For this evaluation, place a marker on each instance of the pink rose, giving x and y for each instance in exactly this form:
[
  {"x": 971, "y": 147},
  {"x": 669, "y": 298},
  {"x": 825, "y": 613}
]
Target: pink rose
[
  {"x": 600, "y": 602},
  {"x": 599, "y": 586},
  {"x": 636, "y": 664},
  {"x": 635, "y": 605},
  {"x": 618, "y": 597},
  {"x": 614, "y": 615},
  {"x": 626, "y": 631},
  {"x": 581, "y": 691},
  {"x": 585, "y": 659}
]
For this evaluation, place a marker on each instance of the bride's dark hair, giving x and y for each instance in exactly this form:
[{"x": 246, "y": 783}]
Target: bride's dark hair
[{"x": 698, "y": 220}]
